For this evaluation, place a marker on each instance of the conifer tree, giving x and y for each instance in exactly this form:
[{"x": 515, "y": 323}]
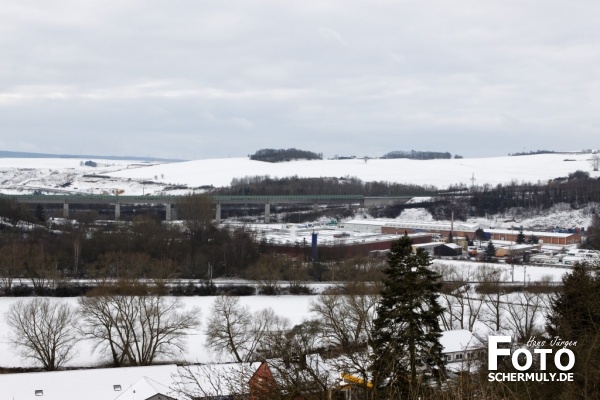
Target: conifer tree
[
  {"x": 520, "y": 237},
  {"x": 593, "y": 234},
  {"x": 469, "y": 241},
  {"x": 40, "y": 213},
  {"x": 406, "y": 331},
  {"x": 490, "y": 251},
  {"x": 575, "y": 316}
]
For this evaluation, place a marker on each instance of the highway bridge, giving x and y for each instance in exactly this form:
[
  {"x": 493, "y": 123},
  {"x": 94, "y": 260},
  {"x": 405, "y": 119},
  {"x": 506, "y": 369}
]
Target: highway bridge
[{"x": 170, "y": 201}]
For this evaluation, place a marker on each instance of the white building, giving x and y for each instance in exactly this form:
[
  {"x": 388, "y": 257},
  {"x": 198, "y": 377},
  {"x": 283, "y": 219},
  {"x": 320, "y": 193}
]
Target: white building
[{"x": 460, "y": 347}]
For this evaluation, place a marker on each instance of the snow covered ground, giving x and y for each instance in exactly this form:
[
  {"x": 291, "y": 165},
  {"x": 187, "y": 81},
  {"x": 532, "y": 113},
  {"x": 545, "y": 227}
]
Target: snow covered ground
[
  {"x": 58, "y": 175},
  {"x": 22, "y": 176},
  {"x": 295, "y": 308}
]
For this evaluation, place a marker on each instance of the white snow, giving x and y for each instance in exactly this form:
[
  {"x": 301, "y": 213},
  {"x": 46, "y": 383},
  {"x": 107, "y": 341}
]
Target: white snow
[
  {"x": 134, "y": 178},
  {"x": 294, "y": 308},
  {"x": 459, "y": 340},
  {"x": 23, "y": 175},
  {"x": 94, "y": 384}
]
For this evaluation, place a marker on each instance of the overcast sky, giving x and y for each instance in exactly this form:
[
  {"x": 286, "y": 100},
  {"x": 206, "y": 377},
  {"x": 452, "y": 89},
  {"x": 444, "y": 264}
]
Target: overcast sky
[{"x": 205, "y": 79}]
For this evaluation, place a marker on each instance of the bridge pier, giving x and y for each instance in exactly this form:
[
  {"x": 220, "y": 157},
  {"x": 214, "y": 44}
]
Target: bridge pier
[
  {"x": 117, "y": 211},
  {"x": 168, "y": 215},
  {"x": 218, "y": 213},
  {"x": 66, "y": 210},
  {"x": 267, "y": 213},
  {"x": 316, "y": 207}
]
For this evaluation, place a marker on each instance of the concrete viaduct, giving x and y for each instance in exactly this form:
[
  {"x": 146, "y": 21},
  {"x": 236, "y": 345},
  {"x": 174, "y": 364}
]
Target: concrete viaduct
[{"x": 169, "y": 201}]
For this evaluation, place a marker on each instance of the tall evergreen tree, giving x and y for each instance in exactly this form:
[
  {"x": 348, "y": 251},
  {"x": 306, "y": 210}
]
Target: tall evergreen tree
[
  {"x": 469, "y": 241},
  {"x": 575, "y": 316},
  {"x": 490, "y": 251},
  {"x": 593, "y": 233},
  {"x": 520, "y": 237},
  {"x": 40, "y": 213},
  {"x": 406, "y": 331}
]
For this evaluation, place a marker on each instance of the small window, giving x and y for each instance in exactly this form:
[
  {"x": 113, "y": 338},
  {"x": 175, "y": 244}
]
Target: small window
[
  {"x": 39, "y": 392},
  {"x": 459, "y": 356},
  {"x": 117, "y": 388}
]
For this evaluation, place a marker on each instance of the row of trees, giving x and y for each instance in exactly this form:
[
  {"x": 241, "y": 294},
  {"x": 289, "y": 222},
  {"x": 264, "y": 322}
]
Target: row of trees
[
  {"x": 127, "y": 330},
  {"x": 387, "y": 335},
  {"x": 144, "y": 247},
  {"x": 281, "y": 155},
  {"x": 418, "y": 155},
  {"x": 294, "y": 185},
  {"x": 390, "y": 335},
  {"x": 577, "y": 190}
]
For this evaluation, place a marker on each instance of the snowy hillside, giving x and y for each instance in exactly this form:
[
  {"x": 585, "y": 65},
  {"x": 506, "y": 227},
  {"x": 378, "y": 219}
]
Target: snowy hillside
[{"x": 135, "y": 178}]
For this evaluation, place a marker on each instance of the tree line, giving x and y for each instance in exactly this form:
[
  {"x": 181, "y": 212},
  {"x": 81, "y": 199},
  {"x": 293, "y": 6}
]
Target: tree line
[
  {"x": 417, "y": 155},
  {"x": 577, "y": 190},
  {"x": 385, "y": 335},
  {"x": 283, "y": 155},
  {"x": 40, "y": 257},
  {"x": 294, "y": 185},
  {"x": 46, "y": 254}
]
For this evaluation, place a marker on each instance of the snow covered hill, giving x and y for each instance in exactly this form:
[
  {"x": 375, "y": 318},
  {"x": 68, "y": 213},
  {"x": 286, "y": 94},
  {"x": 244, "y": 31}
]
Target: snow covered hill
[{"x": 26, "y": 175}]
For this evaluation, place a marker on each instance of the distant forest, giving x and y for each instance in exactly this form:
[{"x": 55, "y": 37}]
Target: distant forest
[
  {"x": 282, "y": 155},
  {"x": 417, "y": 155},
  {"x": 532, "y": 152},
  {"x": 265, "y": 185},
  {"x": 578, "y": 189}
]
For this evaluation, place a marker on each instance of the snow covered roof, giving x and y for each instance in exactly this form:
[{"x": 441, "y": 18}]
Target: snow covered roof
[
  {"x": 517, "y": 247},
  {"x": 427, "y": 245},
  {"x": 528, "y": 233},
  {"x": 279, "y": 234},
  {"x": 144, "y": 388},
  {"x": 459, "y": 340},
  {"x": 373, "y": 222},
  {"x": 550, "y": 247},
  {"x": 89, "y": 384},
  {"x": 453, "y": 245}
]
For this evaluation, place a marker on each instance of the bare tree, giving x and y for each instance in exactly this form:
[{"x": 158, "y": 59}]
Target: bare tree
[
  {"x": 524, "y": 309},
  {"x": 234, "y": 329},
  {"x": 43, "y": 330},
  {"x": 297, "y": 372},
  {"x": 10, "y": 265},
  {"x": 491, "y": 286},
  {"x": 463, "y": 307},
  {"x": 595, "y": 161},
  {"x": 196, "y": 211},
  {"x": 452, "y": 317},
  {"x": 229, "y": 380},
  {"x": 346, "y": 319},
  {"x": 267, "y": 271},
  {"x": 134, "y": 330},
  {"x": 39, "y": 267}
]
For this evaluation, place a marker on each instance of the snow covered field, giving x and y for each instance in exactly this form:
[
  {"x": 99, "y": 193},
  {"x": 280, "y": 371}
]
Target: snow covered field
[
  {"x": 23, "y": 176},
  {"x": 136, "y": 178},
  {"x": 295, "y": 308}
]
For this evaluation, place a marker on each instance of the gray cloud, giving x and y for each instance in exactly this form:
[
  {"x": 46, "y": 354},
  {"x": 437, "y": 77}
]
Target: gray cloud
[{"x": 189, "y": 79}]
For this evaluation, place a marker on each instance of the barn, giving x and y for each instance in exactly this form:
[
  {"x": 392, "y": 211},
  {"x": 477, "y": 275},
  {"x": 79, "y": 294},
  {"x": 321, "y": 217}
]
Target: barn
[{"x": 448, "y": 250}]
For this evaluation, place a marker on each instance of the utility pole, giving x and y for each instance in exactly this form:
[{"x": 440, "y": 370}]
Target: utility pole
[{"x": 512, "y": 259}]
